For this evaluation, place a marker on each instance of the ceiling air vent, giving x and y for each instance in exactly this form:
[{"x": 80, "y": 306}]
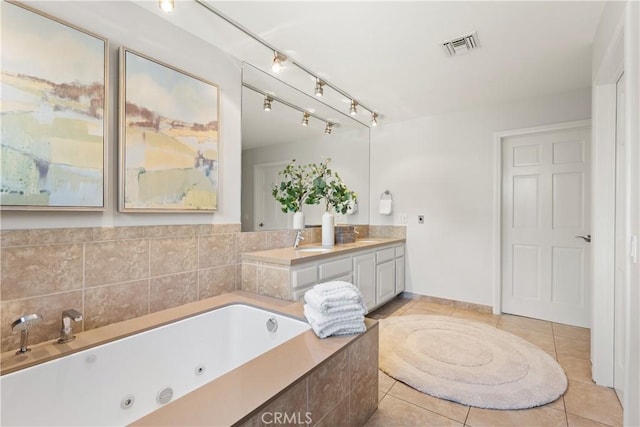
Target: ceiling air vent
[{"x": 461, "y": 44}]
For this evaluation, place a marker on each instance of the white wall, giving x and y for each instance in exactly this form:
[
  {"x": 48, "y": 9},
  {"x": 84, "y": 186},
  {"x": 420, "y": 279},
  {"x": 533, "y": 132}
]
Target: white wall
[
  {"x": 124, "y": 23},
  {"x": 442, "y": 167},
  {"x": 349, "y": 154}
]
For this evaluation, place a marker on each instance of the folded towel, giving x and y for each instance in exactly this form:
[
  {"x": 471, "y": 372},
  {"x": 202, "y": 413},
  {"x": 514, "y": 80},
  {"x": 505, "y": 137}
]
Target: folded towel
[
  {"x": 386, "y": 206},
  {"x": 325, "y": 326},
  {"x": 337, "y": 303},
  {"x": 321, "y": 321},
  {"x": 356, "y": 328},
  {"x": 336, "y": 286}
]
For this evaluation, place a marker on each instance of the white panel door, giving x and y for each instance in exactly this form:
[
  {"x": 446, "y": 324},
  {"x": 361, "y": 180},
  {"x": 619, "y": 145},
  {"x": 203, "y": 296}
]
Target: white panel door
[
  {"x": 545, "y": 205},
  {"x": 267, "y": 212}
]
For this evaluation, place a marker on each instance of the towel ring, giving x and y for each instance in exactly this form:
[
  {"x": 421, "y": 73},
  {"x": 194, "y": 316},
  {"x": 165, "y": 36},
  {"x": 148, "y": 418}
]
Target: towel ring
[{"x": 386, "y": 195}]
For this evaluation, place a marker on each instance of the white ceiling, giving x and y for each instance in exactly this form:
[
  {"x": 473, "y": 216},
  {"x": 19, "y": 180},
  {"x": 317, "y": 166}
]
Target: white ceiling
[{"x": 388, "y": 54}]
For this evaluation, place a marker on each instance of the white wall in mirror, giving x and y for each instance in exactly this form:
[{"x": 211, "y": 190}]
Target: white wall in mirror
[{"x": 271, "y": 139}]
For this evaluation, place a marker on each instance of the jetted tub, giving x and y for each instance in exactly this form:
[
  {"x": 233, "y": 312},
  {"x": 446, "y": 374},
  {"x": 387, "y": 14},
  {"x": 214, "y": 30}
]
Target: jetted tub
[{"x": 120, "y": 382}]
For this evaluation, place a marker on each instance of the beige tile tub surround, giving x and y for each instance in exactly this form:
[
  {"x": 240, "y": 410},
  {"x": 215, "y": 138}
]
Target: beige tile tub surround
[
  {"x": 115, "y": 273},
  {"x": 334, "y": 378}
]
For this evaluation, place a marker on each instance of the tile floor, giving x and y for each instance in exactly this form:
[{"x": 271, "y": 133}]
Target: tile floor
[{"x": 584, "y": 404}]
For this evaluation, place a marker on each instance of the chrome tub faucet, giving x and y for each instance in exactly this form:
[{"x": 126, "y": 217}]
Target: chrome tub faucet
[
  {"x": 66, "y": 331},
  {"x": 23, "y": 324}
]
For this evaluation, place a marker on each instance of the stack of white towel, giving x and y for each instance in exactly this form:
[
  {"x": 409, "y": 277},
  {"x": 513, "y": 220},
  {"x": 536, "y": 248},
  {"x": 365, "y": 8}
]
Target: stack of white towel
[{"x": 335, "y": 308}]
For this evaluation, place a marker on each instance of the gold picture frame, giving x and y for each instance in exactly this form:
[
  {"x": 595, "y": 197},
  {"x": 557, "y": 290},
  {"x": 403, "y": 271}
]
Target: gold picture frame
[{"x": 169, "y": 139}]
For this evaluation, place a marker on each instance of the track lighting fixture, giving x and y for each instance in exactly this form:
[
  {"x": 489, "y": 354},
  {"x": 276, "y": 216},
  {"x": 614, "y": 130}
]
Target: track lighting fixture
[
  {"x": 353, "y": 110},
  {"x": 167, "y": 5},
  {"x": 319, "y": 87},
  {"x": 328, "y": 128},
  {"x": 267, "y": 103},
  {"x": 305, "y": 119},
  {"x": 374, "y": 119},
  {"x": 278, "y": 60}
]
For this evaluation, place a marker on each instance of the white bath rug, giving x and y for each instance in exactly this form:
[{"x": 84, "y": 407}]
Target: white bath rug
[{"x": 468, "y": 362}]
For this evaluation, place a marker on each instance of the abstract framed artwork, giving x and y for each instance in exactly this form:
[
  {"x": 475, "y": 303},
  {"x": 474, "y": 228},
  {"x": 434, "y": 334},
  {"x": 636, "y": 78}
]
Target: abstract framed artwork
[
  {"x": 53, "y": 102},
  {"x": 168, "y": 138}
]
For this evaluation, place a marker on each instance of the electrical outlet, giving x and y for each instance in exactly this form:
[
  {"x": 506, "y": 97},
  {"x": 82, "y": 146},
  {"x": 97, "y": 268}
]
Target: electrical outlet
[
  {"x": 403, "y": 218},
  {"x": 420, "y": 219}
]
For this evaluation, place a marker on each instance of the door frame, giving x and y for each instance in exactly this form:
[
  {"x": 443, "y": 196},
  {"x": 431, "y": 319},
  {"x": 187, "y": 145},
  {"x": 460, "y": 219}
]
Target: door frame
[
  {"x": 498, "y": 141},
  {"x": 256, "y": 167}
]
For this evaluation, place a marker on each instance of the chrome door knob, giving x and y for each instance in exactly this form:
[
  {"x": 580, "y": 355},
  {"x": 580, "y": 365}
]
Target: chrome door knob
[{"x": 586, "y": 238}]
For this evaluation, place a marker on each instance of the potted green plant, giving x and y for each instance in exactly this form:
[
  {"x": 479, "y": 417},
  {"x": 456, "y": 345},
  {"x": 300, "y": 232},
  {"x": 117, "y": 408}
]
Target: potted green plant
[
  {"x": 294, "y": 191},
  {"x": 327, "y": 186}
]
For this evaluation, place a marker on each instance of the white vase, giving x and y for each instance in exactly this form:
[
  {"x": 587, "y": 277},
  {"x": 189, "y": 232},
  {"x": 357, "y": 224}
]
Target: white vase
[
  {"x": 328, "y": 224},
  {"x": 298, "y": 221}
]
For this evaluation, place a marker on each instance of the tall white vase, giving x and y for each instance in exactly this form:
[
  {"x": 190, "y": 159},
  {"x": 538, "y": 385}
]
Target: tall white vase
[
  {"x": 298, "y": 221},
  {"x": 328, "y": 224}
]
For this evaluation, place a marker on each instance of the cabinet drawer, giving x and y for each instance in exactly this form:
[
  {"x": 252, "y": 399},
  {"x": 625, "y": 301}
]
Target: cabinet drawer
[
  {"x": 384, "y": 255},
  {"x": 298, "y": 295},
  {"x": 340, "y": 267},
  {"x": 304, "y": 277},
  {"x": 399, "y": 251}
]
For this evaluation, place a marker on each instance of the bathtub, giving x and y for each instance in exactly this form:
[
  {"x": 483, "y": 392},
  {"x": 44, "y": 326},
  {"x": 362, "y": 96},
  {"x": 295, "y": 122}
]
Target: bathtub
[{"x": 122, "y": 381}]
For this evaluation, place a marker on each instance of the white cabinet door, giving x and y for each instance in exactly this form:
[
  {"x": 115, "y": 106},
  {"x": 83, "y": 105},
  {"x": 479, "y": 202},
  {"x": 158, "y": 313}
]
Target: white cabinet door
[
  {"x": 545, "y": 206},
  {"x": 386, "y": 281},
  {"x": 399, "y": 275},
  {"x": 364, "y": 277}
]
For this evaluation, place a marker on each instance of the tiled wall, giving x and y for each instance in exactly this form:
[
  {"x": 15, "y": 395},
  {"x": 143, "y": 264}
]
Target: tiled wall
[{"x": 114, "y": 274}]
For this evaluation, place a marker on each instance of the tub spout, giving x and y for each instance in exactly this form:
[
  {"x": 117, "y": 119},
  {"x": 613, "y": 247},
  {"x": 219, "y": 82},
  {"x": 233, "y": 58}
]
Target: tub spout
[
  {"x": 23, "y": 324},
  {"x": 66, "y": 331}
]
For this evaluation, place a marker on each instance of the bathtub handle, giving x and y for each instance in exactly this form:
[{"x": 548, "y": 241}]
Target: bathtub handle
[{"x": 272, "y": 324}]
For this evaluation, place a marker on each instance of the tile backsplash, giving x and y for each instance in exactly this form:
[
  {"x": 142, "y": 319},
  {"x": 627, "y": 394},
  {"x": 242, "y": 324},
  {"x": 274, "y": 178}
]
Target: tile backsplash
[{"x": 115, "y": 274}]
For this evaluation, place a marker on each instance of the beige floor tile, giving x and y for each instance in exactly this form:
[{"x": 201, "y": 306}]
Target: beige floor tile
[
  {"x": 381, "y": 396},
  {"x": 446, "y": 408},
  {"x": 393, "y": 412},
  {"x": 444, "y": 310},
  {"x": 557, "y": 404},
  {"x": 573, "y": 347},
  {"x": 415, "y": 310},
  {"x": 385, "y": 382},
  {"x": 536, "y": 325},
  {"x": 542, "y": 416},
  {"x": 594, "y": 402},
  {"x": 576, "y": 421},
  {"x": 577, "y": 369},
  {"x": 574, "y": 332},
  {"x": 542, "y": 340},
  {"x": 489, "y": 319}
]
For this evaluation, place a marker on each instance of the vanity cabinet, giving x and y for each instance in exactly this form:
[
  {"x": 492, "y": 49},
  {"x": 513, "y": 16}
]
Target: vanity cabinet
[
  {"x": 378, "y": 272},
  {"x": 364, "y": 277}
]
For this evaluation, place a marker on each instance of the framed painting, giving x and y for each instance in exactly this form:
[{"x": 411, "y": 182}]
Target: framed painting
[
  {"x": 168, "y": 138},
  {"x": 53, "y": 103}
]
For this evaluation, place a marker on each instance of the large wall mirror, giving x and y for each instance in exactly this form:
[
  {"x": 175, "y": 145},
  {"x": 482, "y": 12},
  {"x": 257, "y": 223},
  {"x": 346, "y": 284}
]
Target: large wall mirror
[{"x": 271, "y": 139}]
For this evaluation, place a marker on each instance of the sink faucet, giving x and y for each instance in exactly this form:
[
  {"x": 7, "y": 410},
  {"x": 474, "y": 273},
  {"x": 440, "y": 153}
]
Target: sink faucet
[
  {"x": 66, "y": 331},
  {"x": 23, "y": 324},
  {"x": 299, "y": 237}
]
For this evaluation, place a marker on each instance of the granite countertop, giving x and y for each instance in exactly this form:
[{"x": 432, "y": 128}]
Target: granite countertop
[{"x": 309, "y": 253}]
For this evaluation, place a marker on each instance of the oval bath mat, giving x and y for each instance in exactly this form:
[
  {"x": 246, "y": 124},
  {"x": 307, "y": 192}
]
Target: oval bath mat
[{"x": 468, "y": 362}]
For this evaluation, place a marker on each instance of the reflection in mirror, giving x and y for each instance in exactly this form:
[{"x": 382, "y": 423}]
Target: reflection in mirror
[{"x": 271, "y": 139}]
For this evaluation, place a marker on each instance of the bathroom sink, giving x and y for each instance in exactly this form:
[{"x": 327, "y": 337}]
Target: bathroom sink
[{"x": 313, "y": 249}]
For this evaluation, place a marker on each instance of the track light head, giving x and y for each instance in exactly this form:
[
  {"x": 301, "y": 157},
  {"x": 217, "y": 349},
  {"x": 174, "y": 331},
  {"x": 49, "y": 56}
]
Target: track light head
[
  {"x": 353, "y": 110},
  {"x": 267, "y": 103},
  {"x": 278, "y": 60},
  {"x": 167, "y": 5},
  {"x": 319, "y": 87},
  {"x": 328, "y": 128},
  {"x": 374, "y": 119},
  {"x": 305, "y": 119}
]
